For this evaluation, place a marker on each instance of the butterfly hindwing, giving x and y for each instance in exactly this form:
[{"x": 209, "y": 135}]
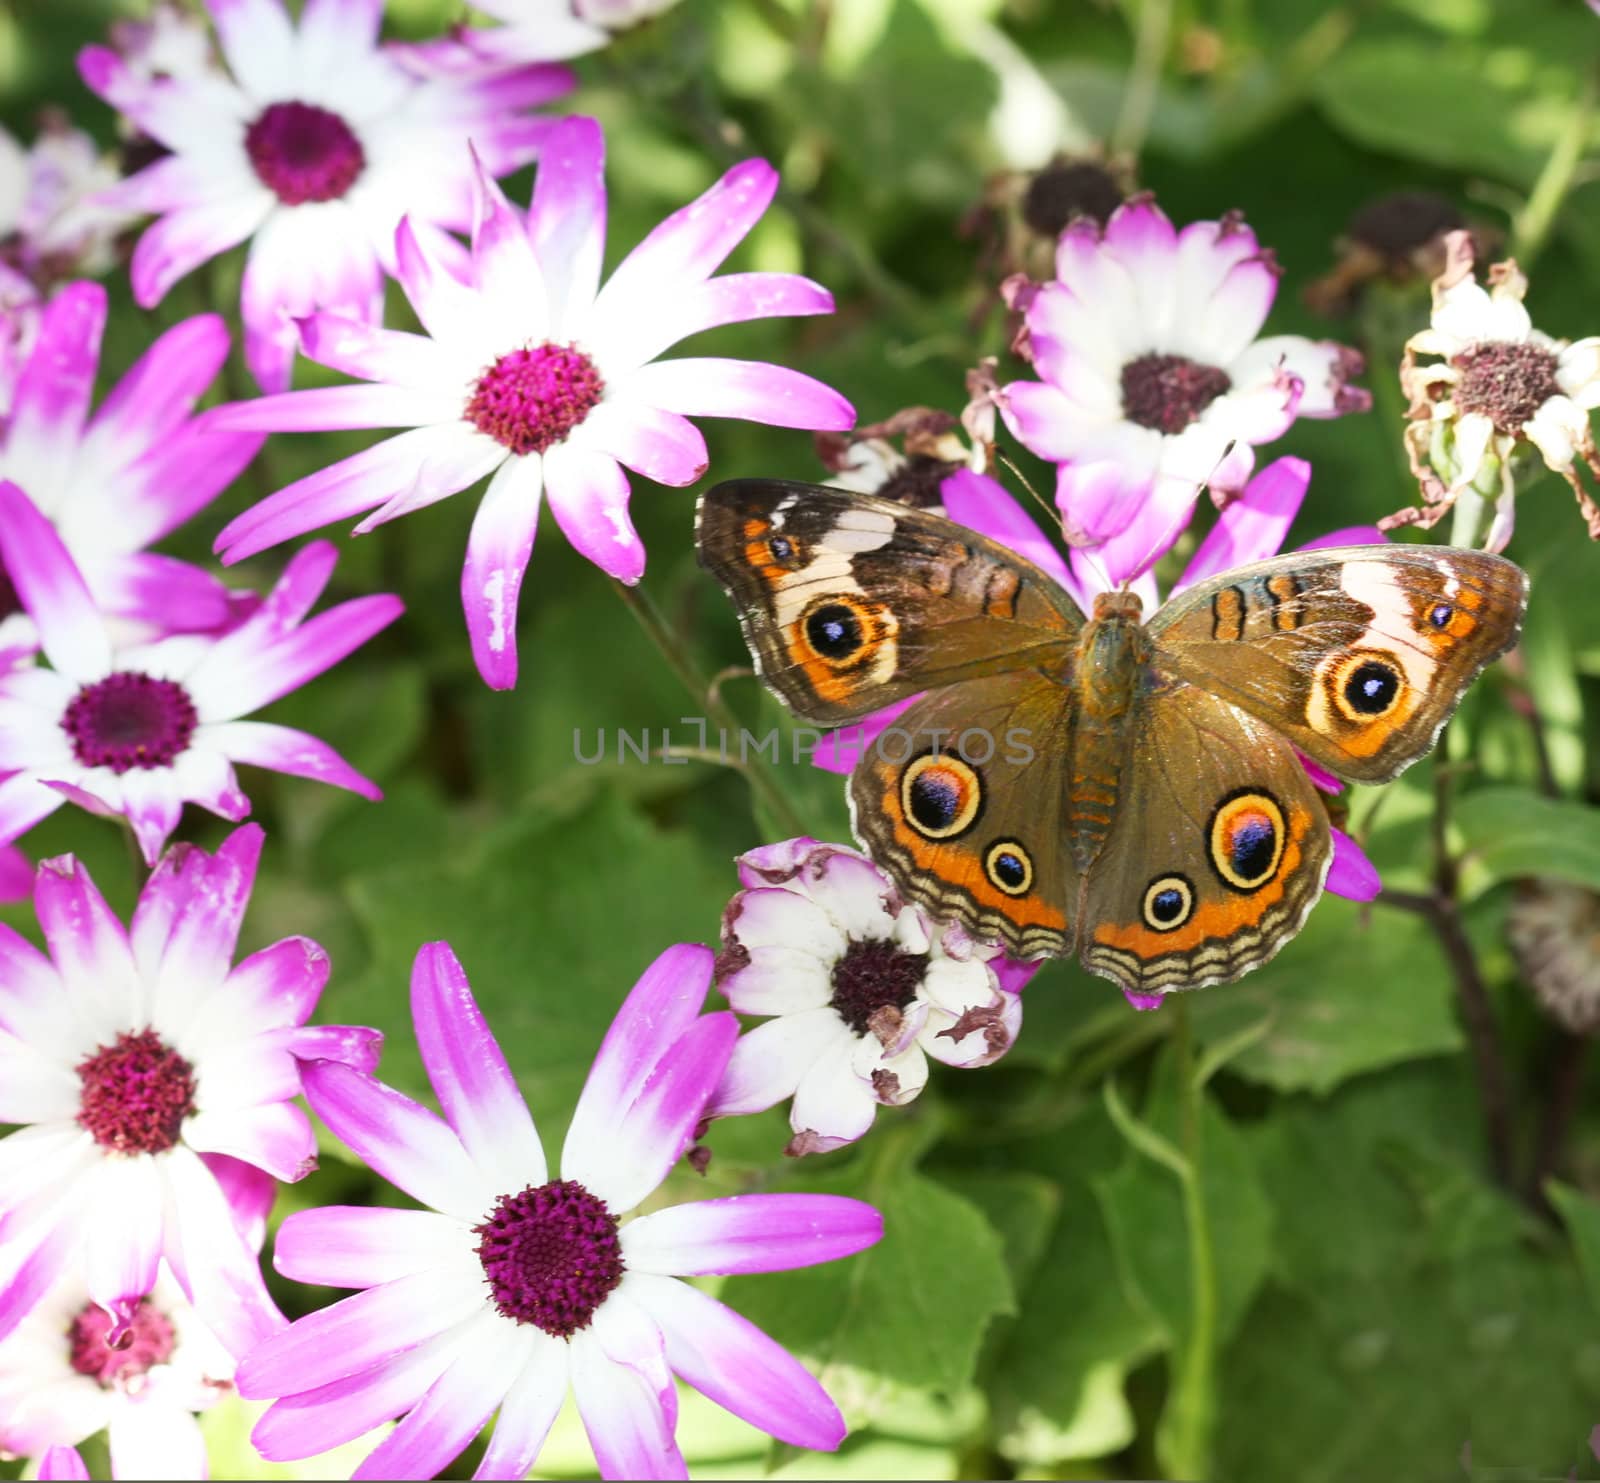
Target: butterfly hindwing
[
  {"x": 960, "y": 801},
  {"x": 1217, "y": 854},
  {"x": 1358, "y": 655},
  {"x": 850, "y": 602}
]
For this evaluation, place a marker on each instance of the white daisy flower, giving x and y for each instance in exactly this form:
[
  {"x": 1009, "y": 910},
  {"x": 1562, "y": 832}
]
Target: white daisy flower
[{"x": 1497, "y": 389}]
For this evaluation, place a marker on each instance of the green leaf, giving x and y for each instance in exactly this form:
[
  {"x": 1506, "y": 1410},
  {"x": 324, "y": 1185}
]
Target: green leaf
[
  {"x": 1359, "y": 988},
  {"x": 910, "y": 1311},
  {"x": 1581, "y": 1213},
  {"x": 535, "y": 915},
  {"x": 1511, "y": 833}
]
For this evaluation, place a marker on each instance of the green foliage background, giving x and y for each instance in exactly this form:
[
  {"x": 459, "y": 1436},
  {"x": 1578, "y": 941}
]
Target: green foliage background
[{"x": 1386, "y": 1310}]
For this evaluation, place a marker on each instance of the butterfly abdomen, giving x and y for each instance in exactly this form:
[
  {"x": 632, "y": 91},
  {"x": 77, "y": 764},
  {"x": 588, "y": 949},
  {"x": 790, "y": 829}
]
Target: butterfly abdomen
[{"x": 1109, "y": 671}]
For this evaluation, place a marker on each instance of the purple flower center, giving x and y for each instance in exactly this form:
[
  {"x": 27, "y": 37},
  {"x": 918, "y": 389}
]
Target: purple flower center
[
  {"x": 1505, "y": 381},
  {"x": 148, "y": 1341},
  {"x": 874, "y": 976},
  {"x": 304, "y": 153},
  {"x": 551, "y": 1255},
  {"x": 136, "y": 1093},
  {"x": 1060, "y": 194},
  {"x": 130, "y": 720},
  {"x": 529, "y": 400},
  {"x": 1167, "y": 392}
]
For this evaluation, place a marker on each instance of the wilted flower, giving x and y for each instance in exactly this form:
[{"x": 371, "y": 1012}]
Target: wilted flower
[
  {"x": 50, "y": 229},
  {"x": 1398, "y": 237},
  {"x": 1496, "y": 392},
  {"x": 1554, "y": 928},
  {"x": 862, "y": 988},
  {"x": 315, "y": 146},
  {"x": 512, "y": 1286},
  {"x": 1155, "y": 382},
  {"x": 532, "y": 372},
  {"x": 61, "y": 1381},
  {"x": 21, "y": 309},
  {"x": 119, "y": 480},
  {"x": 130, "y": 1058},
  {"x": 169, "y": 41},
  {"x": 141, "y": 730}
]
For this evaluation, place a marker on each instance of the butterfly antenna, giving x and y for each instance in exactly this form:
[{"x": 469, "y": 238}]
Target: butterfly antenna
[
  {"x": 1038, "y": 499},
  {"x": 1174, "y": 528}
]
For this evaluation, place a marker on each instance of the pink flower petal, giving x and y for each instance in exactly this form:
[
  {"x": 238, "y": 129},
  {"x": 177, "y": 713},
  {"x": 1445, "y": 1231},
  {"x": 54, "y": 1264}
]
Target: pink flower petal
[
  {"x": 276, "y": 1137},
  {"x": 286, "y": 750},
  {"x": 51, "y": 398},
  {"x": 160, "y": 391},
  {"x": 326, "y": 1416},
  {"x": 1254, "y": 525},
  {"x": 660, "y": 445},
  {"x": 249, "y": 1192},
  {"x": 468, "y": 1073},
  {"x": 168, "y": 594},
  {"x": 24, "y": 801},
  {"x": 339, "y": 27},
  {"x": 527, "y": 1413},
  {"x": 51, "y": 589},
  {"x": 450, "y": 1415},
  {"x": 1350, "y": 535},
  {"x": 354, "y": 1046},
  {"x": 841, "y": 749},
  {"x": 408, "y": 1145},
  {"x": 733, "y": 298},
  {"x": 1142, "y": 1001},
  {"x": 123, "y": 1254},
  {"x": 152, "y": 803},
  {"x": 588, "y": 494},
  {"x": 711, "y": 386},
  {"x": 364, "y": 350},
  {"x": 1237, "y": 310},
  {"x": 442, "y": 302},
  {"x": 180, "y": 241},
  {"x": 749, "y": 1233},
  {"x": 688, "y": 246},
  {"x": 89, "y": 947},
  {"x": 36, "y": 1257},
  {"x": 622, "y": 1412},
  {"x": 16, "y": 884},
  {"x": 506, "y": 268},
  {"x": 659, "y": 1009},
  {"x": 362, "y": 1246},
  {"x": 1042, "y": 419},
  {"x": 567, "y": 218},
  {"x": 984, "y": 505},
  {"x": 770, "y": 1061},
  {"x": 498, "y": 550},
  {"x": 730, "y": 1361},
  {"x": 330, "y": 408},
  {"x": 190, "y": 912},
  {"x": 211, "y": 1260},
  {"x": 355, "y": 1334},
  {"x": 257, "y": 41},
  {"x": 63, "y": 1463},
  {"x": 1099, "y": 498},
  {"x": 1352, "y": 874}
]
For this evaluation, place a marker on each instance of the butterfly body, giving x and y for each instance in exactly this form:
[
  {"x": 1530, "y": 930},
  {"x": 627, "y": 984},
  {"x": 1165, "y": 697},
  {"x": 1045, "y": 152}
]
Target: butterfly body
[{"x": 1119, "y": 786}]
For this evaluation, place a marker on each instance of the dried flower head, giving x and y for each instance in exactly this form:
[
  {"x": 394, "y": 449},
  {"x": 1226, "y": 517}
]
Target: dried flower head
[
  {"x": 1493, "y": 393},
  {"x": 1554, "y": 929}
]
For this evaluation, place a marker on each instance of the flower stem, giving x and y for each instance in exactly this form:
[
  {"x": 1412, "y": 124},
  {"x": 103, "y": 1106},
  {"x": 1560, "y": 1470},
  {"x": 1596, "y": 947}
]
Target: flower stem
[
  {"x": 1144, "y": 79},
  {"x": 1533, "y": 222},
  {"x": 1191, "y": 1419},
  {"x": 654, "y": 623}
]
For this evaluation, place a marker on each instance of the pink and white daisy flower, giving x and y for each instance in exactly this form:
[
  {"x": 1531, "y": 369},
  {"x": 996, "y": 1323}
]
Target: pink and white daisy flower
[
  {"x": 536, "y": 375},
  {"x": 514, "y": 1285},
  {"x": 21, "y": 308},
  {"x": 64, "y": 1463},
  {"x": 131, "y": 1059},
  {"x": 48, "y": 228},
  {"x": 141, "y": 730},
  {"x": 1155, "y": 380},
  {"x": 116, "y": 482},
  {"x": 862, "y": 988},
  {"x": 1252, "y": 528},
  {"x": 314, "y": 144},
  {"x": 167, "y": 41},
  {"x": 61, "y": 1381}
]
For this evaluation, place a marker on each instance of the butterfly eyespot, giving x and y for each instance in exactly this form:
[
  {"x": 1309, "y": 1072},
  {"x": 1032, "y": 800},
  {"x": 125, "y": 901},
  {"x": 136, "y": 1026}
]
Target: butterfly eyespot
[
  {"x": 1372, "y": 688},
  {"x": 1440, "y": 615},
  {"x": 1362, "y": 686},
  {"x": 940, "y": 795},
  {"x": 834, "y": 631},
  {"x": 1246, "y": 839},
  {"x": 782, "y": 548},
  {"x": 1168, "y": 903},
  {"x": 1009, "y": 867}
]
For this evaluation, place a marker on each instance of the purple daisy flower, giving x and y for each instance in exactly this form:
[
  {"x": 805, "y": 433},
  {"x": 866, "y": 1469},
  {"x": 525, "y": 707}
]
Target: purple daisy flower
[
  {"x": 1252, "y": 528},
  {"x": 535, "y": 374},
  {"x": 133, "y": 1060},
  {"x": 513, "y": 1285},
  {"x": 116, "y": 482},
  {"x": 61, "y": 1381},
  {"x": 1155, "y": 380},
  {"x": 141, "y": 730},
  {"x": 314, "y": 144},
  {"x": 862, "y": 988}
]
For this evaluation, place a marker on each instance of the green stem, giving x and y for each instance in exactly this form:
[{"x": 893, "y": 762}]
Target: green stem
[
  {"x": 1533, "y": 223},
  {"x": 1193, "y": 1403},
  {"x": 650, "y": 619},
  {"x": 1144, "y": 79}
]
